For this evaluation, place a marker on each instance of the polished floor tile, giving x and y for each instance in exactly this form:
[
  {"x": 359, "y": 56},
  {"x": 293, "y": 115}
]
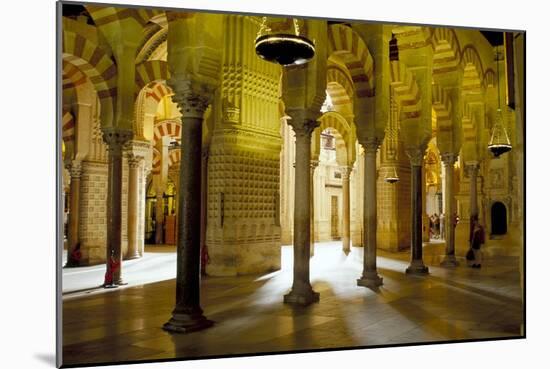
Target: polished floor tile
[{"x": 249, "y": 315}]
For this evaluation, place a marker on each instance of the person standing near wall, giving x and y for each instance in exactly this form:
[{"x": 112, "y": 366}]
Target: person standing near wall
[{"x": 476, "y": 240}]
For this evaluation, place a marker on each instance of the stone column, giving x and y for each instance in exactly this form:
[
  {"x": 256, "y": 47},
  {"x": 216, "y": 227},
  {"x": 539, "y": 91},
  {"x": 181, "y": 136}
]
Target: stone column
[
  {"x": 370, "y": 277},
  {"x": 302, "y": 293},
  {"x": 187, "y": 315},
  {"x": 74, "y": 212},
  {"x": 115, "y": 138},
  {"x": 313, "y": 165},
  {"x": 473, "y": 168},
  {"x": 159, "y": 216},
  {"x": 204, "y": 208},
  {"x": 134, "y": 162},
  {"x": 417, "y": 264},
  {"x": 448, "y": 160},
  {"x": 346, "y": 171}
]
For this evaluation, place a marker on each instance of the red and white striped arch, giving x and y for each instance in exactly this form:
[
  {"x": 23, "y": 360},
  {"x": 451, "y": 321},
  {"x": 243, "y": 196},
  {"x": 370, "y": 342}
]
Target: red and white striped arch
[
  {"x": 339, "y": 86},
  {"x": 346, "y": 44},
  {"x": 167, "y": 127}
]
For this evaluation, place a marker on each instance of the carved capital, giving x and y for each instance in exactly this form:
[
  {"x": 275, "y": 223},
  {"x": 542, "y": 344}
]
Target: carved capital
[
  {"x": 116, "y": 138},
  {"x": 303, "y": 128},
  {"x": 303, "y": 121},
  {"x": 75, "y": 168},
  {"x": 472, "y": 167},
  {"x": 134, "y": 160},
  {"x": 346, "y": 171},
  {"x": 370, "y": 144},
  {"x": 448, "y": 158},
  {"x": 313, "y": 164},
  {"x": 191, "y": 97},
  {"x": 416, "y": 156}
]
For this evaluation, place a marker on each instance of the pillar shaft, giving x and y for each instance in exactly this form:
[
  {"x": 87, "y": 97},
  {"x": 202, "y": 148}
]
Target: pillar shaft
[
  {"x": 302, "y": 293},
  {"x": 115, "y": 138},
  {"x": 474, "y": 211},
  {"x": 370, "y": 276},
  {"x": 346, "y": 243},
  {"x": 159, "y": 217},
  {"x": 74, "y": 214},
  {"x": 448, "y": 160},
  {"x": 417, "y": 264},
  {"x": 314, "y": 164},
  {"x": 187, "y": 315},
  {"x": 204, "y": 209},
  {"x": 134, "y": 163}
]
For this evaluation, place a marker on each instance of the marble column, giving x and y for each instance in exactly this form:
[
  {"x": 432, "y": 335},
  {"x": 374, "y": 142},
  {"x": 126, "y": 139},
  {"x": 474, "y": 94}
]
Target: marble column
[
  {"x": 302, "y": 293},
  {"x": 134, "y": 163},
  {"x": 187, "y": 315},
  {"x": 115, "y": 138},
  {"x": 159, "y": 216},
  {"x": 313, "y": 166},
  {"x": 346, "y": 171},
  {"x": 75, "y": 170},
  {"x": 370, "y": 277},
  {"x": 473, "y": 168},
  {"x": 204, "y": 207},
  {"x": 417, "y": 264},
  {"x": 448, "y": 160}
]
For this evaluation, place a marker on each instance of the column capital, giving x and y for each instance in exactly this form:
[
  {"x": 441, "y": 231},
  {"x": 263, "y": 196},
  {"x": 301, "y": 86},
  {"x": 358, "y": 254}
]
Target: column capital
[
  {"x": 303, "y": 122},
  {"x": 346, "y": 171},
  {"x": 472, "y": 165},
  {"x": 370, "y": 144},
  {"x": 449, "y": 158},
  {"x": 313, "y": 164},
  {"x": 134, "y": 160},
  {"x": 116, "y": 138},
  {"x": 191, "y": 97},
  {"x": 416, "y": 156},
  {"x": 75, "y": 168}
]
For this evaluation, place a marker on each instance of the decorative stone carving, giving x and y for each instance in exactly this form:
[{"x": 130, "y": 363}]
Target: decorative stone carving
[
  {"x": 116, "y": 138},
  {"x": 191, "y": 97},
  {"x": 449, "y": 158},
  {"x": 75, "y": 168},
  {"x": 370, "y": 144},
  {"x": 134, "y": 160},
  {"x": 416, "y": 156}
]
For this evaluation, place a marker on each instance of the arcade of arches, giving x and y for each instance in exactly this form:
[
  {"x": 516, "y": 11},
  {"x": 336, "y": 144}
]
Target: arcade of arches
[{"x": 175, "y": 133}]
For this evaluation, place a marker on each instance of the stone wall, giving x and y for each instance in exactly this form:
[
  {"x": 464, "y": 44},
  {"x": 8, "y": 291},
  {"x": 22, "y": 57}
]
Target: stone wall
[{"x": 93, "y": 212}]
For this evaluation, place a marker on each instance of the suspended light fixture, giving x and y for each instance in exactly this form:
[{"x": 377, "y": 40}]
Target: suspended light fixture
[
  {"x": 499, "y": 142},
  {"x": 393, "y": 177},
  {"x": 283, "y": 48}
]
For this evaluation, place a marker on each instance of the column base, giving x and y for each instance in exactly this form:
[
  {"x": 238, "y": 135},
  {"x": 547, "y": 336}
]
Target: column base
[
  {"x": 370, "y": 280},
  {"x": 417, "y": 267},
  {"x": 132, "y": 257},
  {"x": 301, "y": 298},
  {"x": 187, "y": 322},
  {"x": 449, "y": 261}
]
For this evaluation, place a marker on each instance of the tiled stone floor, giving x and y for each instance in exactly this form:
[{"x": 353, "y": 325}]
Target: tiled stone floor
[{"x": 250, "y": 317}]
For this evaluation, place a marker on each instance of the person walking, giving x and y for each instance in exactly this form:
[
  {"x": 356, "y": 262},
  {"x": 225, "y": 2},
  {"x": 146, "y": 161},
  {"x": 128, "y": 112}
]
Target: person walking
[{"x": 476, "y": 240}]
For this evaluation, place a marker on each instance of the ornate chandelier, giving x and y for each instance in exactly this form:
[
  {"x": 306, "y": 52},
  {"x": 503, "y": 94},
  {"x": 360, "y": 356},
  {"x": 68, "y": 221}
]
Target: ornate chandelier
[
  {"x": 499, "y": 142},
  {"x": 283, "y": 48}
]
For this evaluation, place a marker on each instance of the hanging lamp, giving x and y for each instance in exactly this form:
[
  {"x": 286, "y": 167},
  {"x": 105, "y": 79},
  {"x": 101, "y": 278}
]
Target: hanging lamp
[
  {"x": 283, "y": 48},
  {"x": 393, "y": 177},
  {"x": 499, "y": 142}
]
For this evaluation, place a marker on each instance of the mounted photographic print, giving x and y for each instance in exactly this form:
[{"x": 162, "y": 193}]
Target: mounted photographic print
[{"x": 240, "y": 184}]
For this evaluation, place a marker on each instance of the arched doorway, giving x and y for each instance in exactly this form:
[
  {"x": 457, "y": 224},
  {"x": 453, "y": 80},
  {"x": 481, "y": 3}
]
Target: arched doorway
[{"x": 498, "y": 219}]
